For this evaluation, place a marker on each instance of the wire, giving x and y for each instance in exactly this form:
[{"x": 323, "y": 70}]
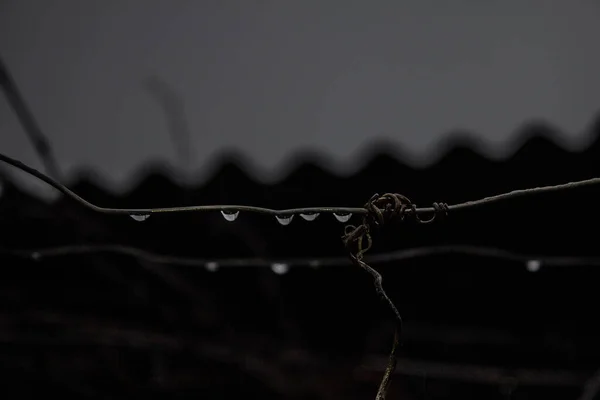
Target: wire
[
  {"x": 310, "y": 210},
  {"x": 533, "y": 262}
]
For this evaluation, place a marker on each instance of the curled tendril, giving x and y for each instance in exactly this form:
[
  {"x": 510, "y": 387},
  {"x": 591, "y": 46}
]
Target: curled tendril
[{"x": 381, "y": 210}]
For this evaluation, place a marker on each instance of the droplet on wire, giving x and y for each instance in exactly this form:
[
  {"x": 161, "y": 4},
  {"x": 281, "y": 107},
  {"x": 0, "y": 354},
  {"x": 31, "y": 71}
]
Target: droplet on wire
[
  {"x": 139, "y": 217},
  {"x": 36, "y": 256},
  {"x": 280, "y": 268},
  {"x": 230, "y": 216},
  {"x": 309, "y": 216},
  {"x": 284, "y": 219},
  {"x": 342, "y": 217},
  {"x": 212, "y": 266},
  {"x": 534, "y": 265}
]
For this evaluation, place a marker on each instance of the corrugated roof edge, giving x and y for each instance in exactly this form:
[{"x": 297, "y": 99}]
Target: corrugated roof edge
[{"x": 465, "y": 141}]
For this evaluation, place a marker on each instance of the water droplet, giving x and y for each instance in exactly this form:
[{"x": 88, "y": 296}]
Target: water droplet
[
  {"x": 230, "y": 216},
  {"x": 284, "y": 219},
  {"x": 342, "y": 217},
  {"x": 36, "y": 256},
  {"x": 280, "y": 268},
  {"x": 534, "y": 265},
  {"x": 140, "y": 217},
  {"x": 310, "y": 216},
  {"x": 314, "y": 263},
  {"x": 212, "y": 266}
]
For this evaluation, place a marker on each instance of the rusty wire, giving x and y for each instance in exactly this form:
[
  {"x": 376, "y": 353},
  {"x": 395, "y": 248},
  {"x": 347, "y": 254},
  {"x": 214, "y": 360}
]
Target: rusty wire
[{"x": 292, "y": 211}]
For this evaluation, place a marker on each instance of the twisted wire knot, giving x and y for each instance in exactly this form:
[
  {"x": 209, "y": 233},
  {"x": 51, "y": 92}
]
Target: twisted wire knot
[{"x": 381, "y": 210}]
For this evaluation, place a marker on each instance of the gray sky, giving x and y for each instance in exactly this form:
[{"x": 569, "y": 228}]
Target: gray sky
[{"x": 271, "y": 77}]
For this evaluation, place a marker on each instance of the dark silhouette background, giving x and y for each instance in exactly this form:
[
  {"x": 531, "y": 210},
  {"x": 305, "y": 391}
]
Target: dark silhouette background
[{"x": 112, "y": 326}]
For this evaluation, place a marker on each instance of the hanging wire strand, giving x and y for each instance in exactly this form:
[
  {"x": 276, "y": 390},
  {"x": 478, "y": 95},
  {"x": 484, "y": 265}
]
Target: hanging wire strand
[
  {"x": 306, "y": 210},
  {"x": 314, "y": 262}
]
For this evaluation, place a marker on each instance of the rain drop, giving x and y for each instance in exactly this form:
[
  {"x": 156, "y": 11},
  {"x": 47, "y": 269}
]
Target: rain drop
[
  {"x": 310, "y": 217},
  {"x": 280, "y": 268},
  {"x": 140, "y": 217},
  {"x": 342, "y": 217},
  {"x": 211, "y": 266},
  {"x": 230, "y": 216},
  {"x": 533, "y": 265},
  {"x": 36, "y": 256},
  {"x": 284, "y": 219}
]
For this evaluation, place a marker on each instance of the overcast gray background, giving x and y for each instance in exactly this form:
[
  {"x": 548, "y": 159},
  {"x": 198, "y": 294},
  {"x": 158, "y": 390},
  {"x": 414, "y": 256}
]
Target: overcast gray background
[{"x": 271, "y": 77}]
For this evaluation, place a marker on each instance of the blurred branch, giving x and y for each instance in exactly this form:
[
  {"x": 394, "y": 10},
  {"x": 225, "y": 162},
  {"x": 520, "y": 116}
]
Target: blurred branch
[
  {"x": 591, "y": 388},
  {"x": 174, "y": 109},
  {"x": 476, "y": 373},
  {"x": 37, "y": 138},
  {"x": 51, "y": 375},
  {"x": 91, "y": 331}
]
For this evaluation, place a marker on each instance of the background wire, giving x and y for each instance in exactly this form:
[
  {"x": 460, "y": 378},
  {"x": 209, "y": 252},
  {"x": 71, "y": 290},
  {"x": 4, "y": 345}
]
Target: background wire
[{"x": 531, "y": 261}]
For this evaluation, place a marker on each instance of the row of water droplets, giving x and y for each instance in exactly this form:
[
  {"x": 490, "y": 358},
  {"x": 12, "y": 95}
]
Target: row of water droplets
[
  {"x": 287, "y": 219},
  {"x": 282, "y": 219},
  {"x": 281, "y": 268}
]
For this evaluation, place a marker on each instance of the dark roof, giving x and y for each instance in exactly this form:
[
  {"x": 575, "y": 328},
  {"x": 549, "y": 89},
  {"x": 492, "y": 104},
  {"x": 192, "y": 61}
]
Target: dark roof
[{"x": 119, "y": 326}]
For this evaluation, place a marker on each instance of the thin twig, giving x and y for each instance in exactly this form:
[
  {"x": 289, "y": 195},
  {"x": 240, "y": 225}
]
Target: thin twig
[
  {"x": 40, "y": 142},
  {"x": 306, "y": 210},
  {"x": 381, "y": 258},
  {"x": 174, "y": 109}
]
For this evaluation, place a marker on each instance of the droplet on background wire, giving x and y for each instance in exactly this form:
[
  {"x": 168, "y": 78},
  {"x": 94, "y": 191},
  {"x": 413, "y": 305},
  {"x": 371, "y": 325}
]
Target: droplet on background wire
[
  {"x": 139, "y": 217},
  {"x": 309, "y": 216},
  {"x": 280, "y": 268},
  {"x": 534, "y": 265},
  {"x": 284, "y": 219},
  {"x": 230, "y": 216},
  {"x": 212, "y": 266},
  {"x": 342, "y": 217},
  {"x": 36, "y": 256}
]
